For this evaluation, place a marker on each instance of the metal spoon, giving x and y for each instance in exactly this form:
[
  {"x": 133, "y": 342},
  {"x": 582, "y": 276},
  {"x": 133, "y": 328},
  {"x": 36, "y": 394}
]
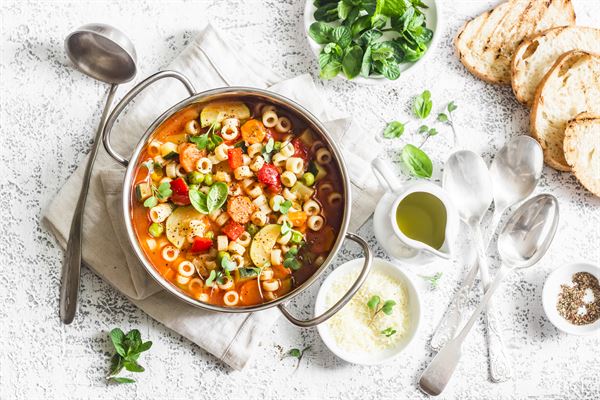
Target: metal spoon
[
  {"x": 523, "y": 241},
  {"x": 467, "y": 179},
  {"x": 515, "y": 172},
  {"x": 105, "y": 54}
]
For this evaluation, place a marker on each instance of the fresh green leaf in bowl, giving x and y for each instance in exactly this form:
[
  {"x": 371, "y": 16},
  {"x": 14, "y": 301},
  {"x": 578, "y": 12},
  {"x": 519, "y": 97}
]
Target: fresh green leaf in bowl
[{"x": 352, "y": 35}]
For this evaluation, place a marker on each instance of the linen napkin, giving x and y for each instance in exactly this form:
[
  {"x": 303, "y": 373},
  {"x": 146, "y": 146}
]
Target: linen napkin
[{"x": 106, "y": 250}]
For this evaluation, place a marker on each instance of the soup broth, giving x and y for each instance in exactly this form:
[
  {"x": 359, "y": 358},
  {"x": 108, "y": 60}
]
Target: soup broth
[
  {"x": 422, "y": 216},
  {"x": 236, "y": 202}
]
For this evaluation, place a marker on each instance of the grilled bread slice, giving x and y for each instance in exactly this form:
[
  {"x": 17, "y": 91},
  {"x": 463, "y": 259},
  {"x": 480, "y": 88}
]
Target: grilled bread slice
[
  {"x": 534, "y": 57},
  {"x": 486, "y": 44},
  {"x": 582, "y": 150},
  {"x": 570, "y": 87}
]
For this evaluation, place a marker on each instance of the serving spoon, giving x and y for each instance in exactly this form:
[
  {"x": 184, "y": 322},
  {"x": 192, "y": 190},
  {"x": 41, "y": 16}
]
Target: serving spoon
[
  {"x": 515, "y": 172},
  {"x": 523, "y": 241},
  {"x": 105, "y": 54}
]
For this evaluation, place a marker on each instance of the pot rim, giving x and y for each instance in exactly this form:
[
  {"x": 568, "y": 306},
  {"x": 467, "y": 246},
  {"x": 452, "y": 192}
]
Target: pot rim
[{"x": 219, "y": 94}]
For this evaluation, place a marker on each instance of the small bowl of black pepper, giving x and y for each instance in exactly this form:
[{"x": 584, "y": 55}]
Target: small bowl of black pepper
[{"x": 571, "y": 298}]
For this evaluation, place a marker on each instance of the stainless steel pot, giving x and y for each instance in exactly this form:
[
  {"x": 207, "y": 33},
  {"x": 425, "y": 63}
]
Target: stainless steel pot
[{"x": 222, "y": 94}]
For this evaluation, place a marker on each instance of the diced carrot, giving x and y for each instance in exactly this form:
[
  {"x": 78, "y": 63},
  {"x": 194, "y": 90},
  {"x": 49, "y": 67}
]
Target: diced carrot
[
  {"x": 280, "y": 271},
  {"x": 249, "y": 293},
  {"x": 253, "y": 131},
  {"x": 297, "y": 218}
]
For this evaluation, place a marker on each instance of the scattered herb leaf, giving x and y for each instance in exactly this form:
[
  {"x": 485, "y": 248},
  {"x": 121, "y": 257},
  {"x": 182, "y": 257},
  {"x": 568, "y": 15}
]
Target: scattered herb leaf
[
  {"x": 434, "y": 279},
  {"x": 388, "y": 332},
  {"x": 128, "y": 348},
  {"x": 374, "y": 304},
  {"x": 422, "y": 105},
  {"x": 416, "y": 161},
  {"x": 394, "y": 129}
]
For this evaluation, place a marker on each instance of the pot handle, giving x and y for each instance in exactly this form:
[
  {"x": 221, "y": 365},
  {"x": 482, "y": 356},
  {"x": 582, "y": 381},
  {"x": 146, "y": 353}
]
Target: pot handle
[
  {"x": 345, "y": 298},
  {"x": 127, "y": 99}
]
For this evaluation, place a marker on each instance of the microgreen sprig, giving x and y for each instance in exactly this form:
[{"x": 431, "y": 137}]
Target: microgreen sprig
[
  {"x": 208, "y": 140},
  {"x": 162, "y": 192},
  {"x": 388, "y": 332},
  {"x": 376, "y": 306},
  {"x": 128, "y": 348},
  {"x": 434, "y": 279},
  {"x": 448, "y": 119}
]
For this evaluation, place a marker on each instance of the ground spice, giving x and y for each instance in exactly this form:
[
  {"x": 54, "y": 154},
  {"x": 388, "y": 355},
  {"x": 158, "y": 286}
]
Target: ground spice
[{"x": 580, "y": 303}]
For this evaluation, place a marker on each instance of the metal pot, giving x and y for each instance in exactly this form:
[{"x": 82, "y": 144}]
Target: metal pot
[{"x": 222, "y": 94}]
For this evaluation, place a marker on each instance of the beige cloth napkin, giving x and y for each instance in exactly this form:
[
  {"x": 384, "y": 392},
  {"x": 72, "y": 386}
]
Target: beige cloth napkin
[{"x": 106, "y": 250}]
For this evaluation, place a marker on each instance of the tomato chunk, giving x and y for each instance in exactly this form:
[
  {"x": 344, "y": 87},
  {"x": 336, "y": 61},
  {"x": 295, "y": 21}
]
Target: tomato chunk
[
  {"x": 300, "y": 150},
  {"x": 201, "y": 244},
  {"x": 234, "y": 158},
  {"x": 233, "y": 230},
  {"x": 178, "y": 186},
  {"x": 269, "y": 175}
]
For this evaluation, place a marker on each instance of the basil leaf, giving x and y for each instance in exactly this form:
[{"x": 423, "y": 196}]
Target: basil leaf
[
  {"x": 422, "y": 105},
  {"x": 417, "y": 162},
  {"x": 369, "y": 37},
  {"x": 133, "y": 366},
  {"x": 117, "y": 336},
  {"x": 216, "y": 196},
  {"x": 327, "y": 13},
  {"x": 198, "y": 201},
  {"x": 378, "y": 21},
  {"x": 361, "y": 24},
  {"x": 344, "y": 9},
  {"x": 145, "y": 346},
  {"x": 330, "y": 70},
  {"x": 320, "y": 32},
  {"x": 393, "y": 130},
  {"x": 342, "y": 36},
  {"x": 352, "y": 16},
  {"x": 351, "y": 63},
  {"x": 391, "y": 70},
  {"x": 391, "y": 7},
  {"x": 365, "y": 68}
]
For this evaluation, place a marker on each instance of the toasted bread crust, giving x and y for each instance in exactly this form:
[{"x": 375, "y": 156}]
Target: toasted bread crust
[
  {"x": 534, "y": 57},
  {"x": 582, "y": 148},
  {"x": 551, "y": 134},
  {"x": 485, "y": 45}
]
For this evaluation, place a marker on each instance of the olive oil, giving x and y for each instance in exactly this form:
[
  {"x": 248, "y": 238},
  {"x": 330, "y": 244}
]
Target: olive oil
[{"x": 421, "y": 216}]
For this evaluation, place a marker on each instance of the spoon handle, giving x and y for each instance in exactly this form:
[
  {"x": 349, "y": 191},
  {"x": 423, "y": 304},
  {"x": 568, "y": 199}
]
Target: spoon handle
[
  {"x": 446, "y": 329},
  {"x": 69, "y": 288},
  {"x": 500, "y": 369},
  {"x": 438, "y": 373}
]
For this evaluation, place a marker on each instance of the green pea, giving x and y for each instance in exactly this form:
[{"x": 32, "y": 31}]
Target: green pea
[
  {"x": 252, "y": 229},
  {"x": 308, "y": 179},
  {"x": 208, "y": 180},
  {"x": 195, "y": 178},
  {"x": 156, "y": 229}
]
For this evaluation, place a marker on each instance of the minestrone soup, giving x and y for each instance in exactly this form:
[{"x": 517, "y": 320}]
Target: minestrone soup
[{"x": 236, "y": 202}]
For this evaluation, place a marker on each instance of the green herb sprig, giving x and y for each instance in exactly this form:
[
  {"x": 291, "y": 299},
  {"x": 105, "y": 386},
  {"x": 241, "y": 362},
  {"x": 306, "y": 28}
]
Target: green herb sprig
[
  {"x": 414, "y": 158},
  {"x": 208, "y": 140},
  {"x": 128, "y": 348},
  {"x": 376, "y": 306},
  {"x": 162, "y": 192},
  {"x": 351, "y": 32},
  {"x": 434, "y": 279},
  {"x": 388, "y": 332}
]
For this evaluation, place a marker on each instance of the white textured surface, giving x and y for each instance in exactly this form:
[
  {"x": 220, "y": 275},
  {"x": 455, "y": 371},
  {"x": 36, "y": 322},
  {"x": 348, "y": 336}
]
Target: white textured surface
[{"x": 49, "y": 112}]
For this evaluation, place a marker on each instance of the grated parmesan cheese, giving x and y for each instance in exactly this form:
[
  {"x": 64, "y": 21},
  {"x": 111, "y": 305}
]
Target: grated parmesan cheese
[{"x": 350, "y": 327}]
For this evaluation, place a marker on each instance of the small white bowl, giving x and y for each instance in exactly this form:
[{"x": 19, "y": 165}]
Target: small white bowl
[
  {"x": 562, "y": 276},
  {"x": 414, "y": 307},
  {"x": 433, "y": 17}
]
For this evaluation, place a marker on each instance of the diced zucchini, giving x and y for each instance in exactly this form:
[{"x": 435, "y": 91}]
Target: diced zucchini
[
  {"x": 262, "y": 244},
  {"x": 302, "y": 191},
  {"x": 220, "y": 110},
  {"x": 307, "y": 136},
  {"x": 143, "y": 191},
  {"x": 318, "y": 171},
  {"x": 172, "y": 155}
]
